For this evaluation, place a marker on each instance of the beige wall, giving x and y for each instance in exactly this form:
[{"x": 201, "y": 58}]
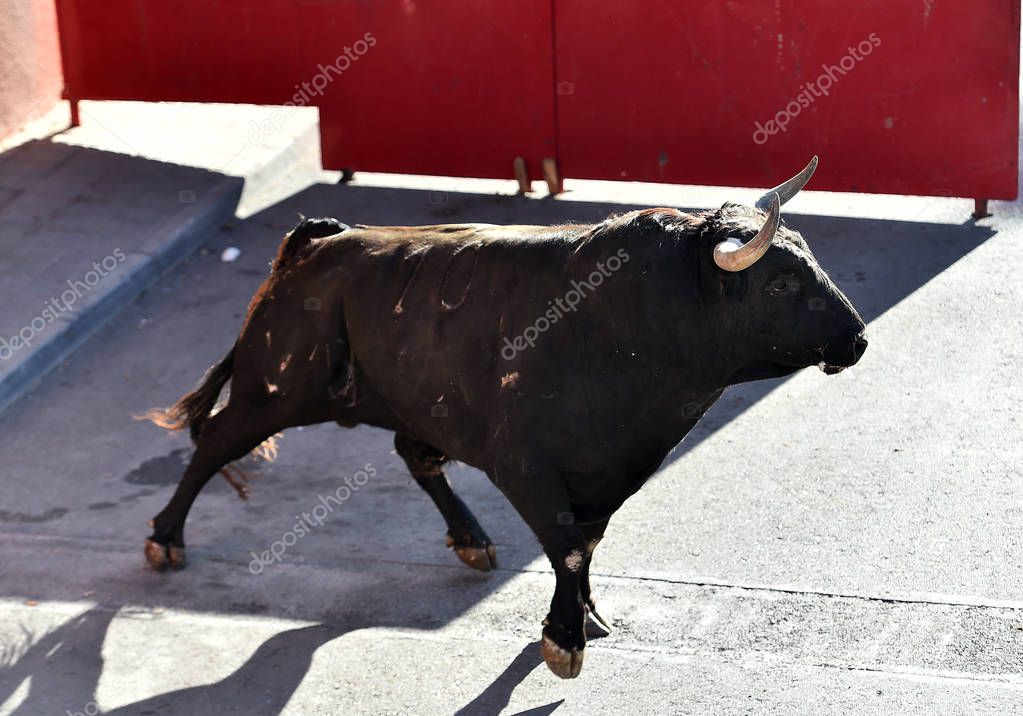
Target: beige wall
[{"x": 30, "y": 72}]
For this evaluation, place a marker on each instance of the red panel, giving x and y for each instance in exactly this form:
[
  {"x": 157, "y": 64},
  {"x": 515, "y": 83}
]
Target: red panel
[
  {"x": 416, "y": 86},
  {"x": 653, "y": 90},
  {"x": 668, "y": 91},
  {"x": 451, "y": 88}
]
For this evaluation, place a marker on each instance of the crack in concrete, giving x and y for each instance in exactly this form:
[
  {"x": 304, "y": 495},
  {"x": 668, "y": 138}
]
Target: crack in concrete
[{"x": 925, "y": 599}]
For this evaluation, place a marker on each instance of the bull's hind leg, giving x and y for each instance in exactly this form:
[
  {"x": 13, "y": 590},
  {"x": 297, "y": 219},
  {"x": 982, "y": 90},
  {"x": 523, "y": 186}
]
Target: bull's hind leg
[
  {"x": 465, "y": 535},
  {"x": 227, "y": 436}
]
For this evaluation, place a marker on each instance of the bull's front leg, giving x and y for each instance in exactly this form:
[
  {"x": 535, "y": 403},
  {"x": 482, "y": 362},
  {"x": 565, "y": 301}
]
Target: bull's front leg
[
  {"x": 596, "y": 625},
  {"x": 564, "y": 631},
  {"x": 540, "y": 498}
]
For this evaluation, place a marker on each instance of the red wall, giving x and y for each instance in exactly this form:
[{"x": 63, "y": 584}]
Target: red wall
[
  {"x": 646, "y": 90},
  {"x": 30, "y": 69},
  {"x": 421, "y": 87},
  {"x": 904, "y": 96}
]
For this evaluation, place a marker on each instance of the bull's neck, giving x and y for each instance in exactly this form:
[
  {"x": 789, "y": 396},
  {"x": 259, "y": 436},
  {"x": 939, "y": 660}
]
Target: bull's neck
[{"x": 657, "y": 368}]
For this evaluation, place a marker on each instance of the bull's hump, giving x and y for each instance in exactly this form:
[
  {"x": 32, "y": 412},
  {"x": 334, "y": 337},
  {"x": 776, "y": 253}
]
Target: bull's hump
[
  {"x": 459, "y": 233},
  {"x": 428, "y": 228}
]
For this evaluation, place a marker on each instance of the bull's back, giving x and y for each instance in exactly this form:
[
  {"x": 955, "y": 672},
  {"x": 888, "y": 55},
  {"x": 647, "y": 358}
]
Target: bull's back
[{"x": 426, "y": 310}]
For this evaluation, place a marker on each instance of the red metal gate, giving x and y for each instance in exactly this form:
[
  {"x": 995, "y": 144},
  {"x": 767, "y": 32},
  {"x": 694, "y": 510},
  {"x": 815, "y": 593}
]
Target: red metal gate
[
  {"x": 895, "y": 96},
  {"x": 898, "y": 96},
  {"x": 402, "y": 86}
]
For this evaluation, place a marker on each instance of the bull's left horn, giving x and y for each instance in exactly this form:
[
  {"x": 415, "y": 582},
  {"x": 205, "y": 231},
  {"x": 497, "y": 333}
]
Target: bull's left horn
[
  {"x": 733, "y": 255},
  {"x": 787, "y": 190}
]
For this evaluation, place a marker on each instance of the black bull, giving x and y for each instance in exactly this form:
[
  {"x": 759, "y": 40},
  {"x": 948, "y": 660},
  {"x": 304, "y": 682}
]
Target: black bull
[{"x": 565, "y": 362}]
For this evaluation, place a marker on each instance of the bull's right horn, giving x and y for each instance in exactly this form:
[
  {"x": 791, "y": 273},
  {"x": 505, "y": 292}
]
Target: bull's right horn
[{"x": 733, "y": 255}]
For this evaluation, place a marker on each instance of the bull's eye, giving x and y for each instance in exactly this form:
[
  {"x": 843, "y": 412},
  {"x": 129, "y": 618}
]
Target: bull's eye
[{"x": 783, "y": 286}]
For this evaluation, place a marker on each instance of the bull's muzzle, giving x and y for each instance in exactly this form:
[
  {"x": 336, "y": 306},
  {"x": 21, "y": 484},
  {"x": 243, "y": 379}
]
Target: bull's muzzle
[{"x": 835, "y": 361}]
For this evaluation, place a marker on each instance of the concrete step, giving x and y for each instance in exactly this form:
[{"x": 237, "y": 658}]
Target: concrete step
[{"x": 92, "y": 216}]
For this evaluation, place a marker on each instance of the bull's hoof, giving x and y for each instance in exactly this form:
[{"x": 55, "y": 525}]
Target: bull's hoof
[
  {"x": 177, "y": 557},
  {"x": 156, "y": 555},
  {"x": 596, "y": 626},
  {"x": 159, "y": 556},
  {"x": 483, "y": 558},
  {"x": 564, "y": 663}
]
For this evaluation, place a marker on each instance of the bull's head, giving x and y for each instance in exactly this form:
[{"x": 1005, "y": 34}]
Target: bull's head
[{"x": 776, "y": 298}]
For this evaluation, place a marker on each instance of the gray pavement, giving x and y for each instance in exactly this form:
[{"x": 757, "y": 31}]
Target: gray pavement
[
  {"x": 862, "y": 555},
  {"x": 92, "y": 216}
]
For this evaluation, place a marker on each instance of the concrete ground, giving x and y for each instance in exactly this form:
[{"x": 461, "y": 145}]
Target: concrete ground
[{"x": 861, "y": 555}]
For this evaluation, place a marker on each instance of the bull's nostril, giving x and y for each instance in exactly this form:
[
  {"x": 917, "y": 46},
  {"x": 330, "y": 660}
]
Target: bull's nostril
[{"x": 859, "y": 346}]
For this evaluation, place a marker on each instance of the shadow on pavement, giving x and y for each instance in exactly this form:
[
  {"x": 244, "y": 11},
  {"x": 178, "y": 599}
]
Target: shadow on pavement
[
  {"x": 496, "y": 696},
  {"x": 66, "y": 665}
]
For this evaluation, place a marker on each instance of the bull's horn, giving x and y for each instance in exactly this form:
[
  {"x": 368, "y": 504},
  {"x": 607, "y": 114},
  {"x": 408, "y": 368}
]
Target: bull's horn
[
  {"x": 787, "y": 190},
  {"x": 733, "y": 255}
]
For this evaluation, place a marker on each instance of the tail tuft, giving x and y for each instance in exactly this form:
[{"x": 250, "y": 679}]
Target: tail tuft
[{"x": 194, "y": 408}]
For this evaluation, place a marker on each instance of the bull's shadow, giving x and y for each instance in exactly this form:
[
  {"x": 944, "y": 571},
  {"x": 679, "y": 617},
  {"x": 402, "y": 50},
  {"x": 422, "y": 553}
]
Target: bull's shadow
[
  {"x": 360, "y": 569},
  {"x": 66, "y": 663},
  {"x": 65, "y": 666}
]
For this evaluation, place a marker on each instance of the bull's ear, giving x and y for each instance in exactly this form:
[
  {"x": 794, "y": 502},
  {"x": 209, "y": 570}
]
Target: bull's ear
[
  {"x": 733, "y": 255},
  {"x": 716, "y": 285},
  {"x": 709, "y": 277},
  {"x": 722, "y": 285}
]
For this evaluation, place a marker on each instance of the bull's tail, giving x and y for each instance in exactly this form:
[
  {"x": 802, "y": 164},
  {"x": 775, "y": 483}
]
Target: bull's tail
[{"x": 194, "y": 408}]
